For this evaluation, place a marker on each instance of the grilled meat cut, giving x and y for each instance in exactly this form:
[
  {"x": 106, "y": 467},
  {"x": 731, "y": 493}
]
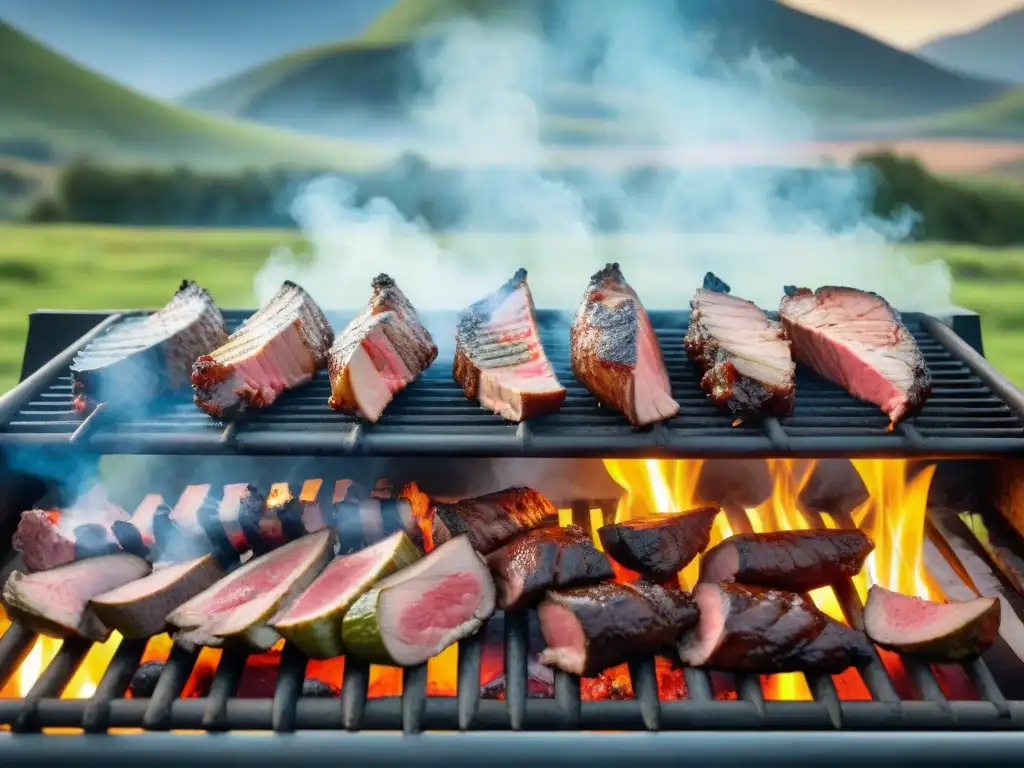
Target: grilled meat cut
[
  {"x": 588, "y": 629},
  {"x": 381, "y": 352},
  {"x": 138, "y": 360},
  {"x": 56, "y": 602},
  {"x": 499, "y": 359},
  {"x": 546, "y": 558},
  {"x": 615, "y": 352},
  {"x": 766, "y": 631},
  {"x": 493, "y": 520},
  {"x": 745, "y": 356},
  {"x": 280, "y": 347},
  {"x": 662, "y": 545},
  {"x": 945, "y": 633},
  {"x": 794, "y": 561},
  {"x": 856, "y": 340}
]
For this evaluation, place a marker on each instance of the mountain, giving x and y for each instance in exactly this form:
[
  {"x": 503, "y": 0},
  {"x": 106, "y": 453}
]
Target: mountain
[
  {"x": 993, "y": 51},
  {"x": 48, "y": 100}
]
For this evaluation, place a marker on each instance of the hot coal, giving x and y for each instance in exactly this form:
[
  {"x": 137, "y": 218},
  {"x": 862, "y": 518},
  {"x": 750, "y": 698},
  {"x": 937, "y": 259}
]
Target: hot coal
[
  {"x": 221, "y": 546},
  {"x": 145, "y": 679},
  {"x": 94, "y": 540},
  {"x": 314, "y": 688},
  {"x": 130, "y": 539}
]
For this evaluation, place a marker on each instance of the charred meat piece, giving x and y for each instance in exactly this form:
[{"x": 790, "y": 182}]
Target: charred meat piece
[
  {"x": 588, "y": 629},
  {"x": 945, "y": 633},
  {"x": 856, "y": 340},
  {"x": 138, "y": 360},
  {"x": 794, "y": 561},
  {"x": 766, "y": 631},
  {"x": 56, "y": 602},
  {"x": 493, "y": 520},
  {"x": 499, "y": 359},
  {"x": 280, "y": 347},
  {"x": 543, "y": 559},
  {"x": 662, "y": 545},
  {"x": 746, "y": 357},
  {"x": 615, "y": 352},
  {"x": 381, "y": 352}
]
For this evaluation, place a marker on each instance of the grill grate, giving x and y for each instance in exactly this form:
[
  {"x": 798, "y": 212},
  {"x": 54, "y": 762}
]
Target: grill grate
[{"x": 973, "y": 411}]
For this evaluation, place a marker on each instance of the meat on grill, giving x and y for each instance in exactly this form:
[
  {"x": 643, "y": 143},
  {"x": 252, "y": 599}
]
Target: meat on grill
[
  {"x": 543, "y": 559},
  {"x": 381, "y": 352},
  {"x": 940, "y": 632},
  {"x": 56, "y": 602},
  {"x": 588, "y": 629},
  {"x": 661, "y": 545},
  {"x": 493, "y": 520},
  {"x": 794, "y": 561},
  {"x": 615, "y": 352},
  {"x": 280, "y": 347},
  {"x": 137, "y": 361},
  {"x": 856, "y": 340},
  {"x": 746, "y": 357},
  {"x": 766, "y": 631},
  {"x": 499, "y": 358}
]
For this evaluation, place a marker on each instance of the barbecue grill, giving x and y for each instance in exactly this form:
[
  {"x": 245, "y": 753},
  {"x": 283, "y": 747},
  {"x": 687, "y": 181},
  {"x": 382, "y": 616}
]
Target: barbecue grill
[{"x": 974, "y": 413}]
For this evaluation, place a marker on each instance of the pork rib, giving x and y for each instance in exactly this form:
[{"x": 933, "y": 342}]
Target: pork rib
[
  {"x": 856, "y": 340},
  {"x": 381, "y": 352},
  {"x": 615, "y": 353},
  {"x": 280, "y": 347},
  {"x": 499, "y": 359},
  {"x": 746, "y": 358},
  {"x": 136, "y": 362}
]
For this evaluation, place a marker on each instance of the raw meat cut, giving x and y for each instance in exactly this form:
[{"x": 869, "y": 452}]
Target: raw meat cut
[
  {"x": 493, "y": 520},
  {"x": 794, "y": 561},
  {"x": 421, "y": 610},
  {"x": 856, "y": 340},
  {"x": 56, "y": 602},
  {"x": 499, "y": 359},
  {"x": 766, "y": 631},
  {"x": 546, "y": 558},
  {"x": 381, "y": 352},
  {"x": 589, "y": 629},
  {"x": 138, "y": 360},
  {"x": 615, "y": 352},
  {"x": 940, "y": 632},
  {"x": 746, "y": 357},
  {"x": 662, "y": 545},
  {"x": 280, "y": 347}
]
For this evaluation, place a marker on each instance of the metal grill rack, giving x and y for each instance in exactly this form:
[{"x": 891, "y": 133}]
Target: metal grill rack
[{"x": 973, "y": 412}]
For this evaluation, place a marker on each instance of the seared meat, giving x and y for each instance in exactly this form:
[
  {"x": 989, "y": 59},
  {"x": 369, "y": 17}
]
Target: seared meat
[
  {"x": 765, "y": 631},
  {"x": 280, "y": 347},
  {"x": 589, "y": 629},
  {"x": 856, "y": 340},
  {"x": 746, "y": 358},
  {"x": 615, "y": 352},
  {"x": 493, "y": 520},
  {"x": 662, "y": 545},
  {"x": 499, "y": 359},
  {"x": 381, "y": 352},
  {"x": 796, "y": 561},
  {"x": 546, "y": 558},
  {"x": 138, "y": 360}
]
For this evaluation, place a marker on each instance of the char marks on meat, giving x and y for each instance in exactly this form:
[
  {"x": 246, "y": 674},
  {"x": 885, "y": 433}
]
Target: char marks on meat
[
  {"x": 766, "y": 631},
  {"x": 381, "y": 352},
  {"x": 546, "y": 558},
  {"x": 499, "y": 359},
  {"x": 589, "y": 629},
  {"x": 493, "y": 520},
  {"x": 138, "y": 360},
  {"x": 662, "y": 545},
  {"x": 615, "y": 352},
  {"x": 280, "y": 347},
  {"x": 745, "y": 356},
  {"x": 856, "y": 340},
  {"x": 796, "y": 561}
]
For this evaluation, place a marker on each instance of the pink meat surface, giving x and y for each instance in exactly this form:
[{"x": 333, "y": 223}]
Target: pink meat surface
[
  {"x": 566, "y": 641},
  {"x": 450, "y": 603},
  {"x": 339, "y": 578}
]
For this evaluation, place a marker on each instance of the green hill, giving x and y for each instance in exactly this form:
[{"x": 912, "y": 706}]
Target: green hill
[{"x": 45, "y": 99}]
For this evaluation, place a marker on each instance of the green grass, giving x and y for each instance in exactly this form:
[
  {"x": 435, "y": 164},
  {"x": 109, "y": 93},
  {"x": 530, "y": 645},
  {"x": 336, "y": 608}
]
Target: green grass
[{"x": 74, "y": 267}]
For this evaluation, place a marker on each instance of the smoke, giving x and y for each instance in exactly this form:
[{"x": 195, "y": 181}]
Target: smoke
[{"x": 488, "y": 95}]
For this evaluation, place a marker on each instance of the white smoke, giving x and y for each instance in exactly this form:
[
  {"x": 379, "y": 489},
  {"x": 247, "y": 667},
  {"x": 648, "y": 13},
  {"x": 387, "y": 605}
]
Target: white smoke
[{"x": 481, "y": 115}]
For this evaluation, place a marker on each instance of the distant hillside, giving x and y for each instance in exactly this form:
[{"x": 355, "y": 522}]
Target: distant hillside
[
  {"x": 47, "y": 100},
  {"x": 995, "y": 50}
]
